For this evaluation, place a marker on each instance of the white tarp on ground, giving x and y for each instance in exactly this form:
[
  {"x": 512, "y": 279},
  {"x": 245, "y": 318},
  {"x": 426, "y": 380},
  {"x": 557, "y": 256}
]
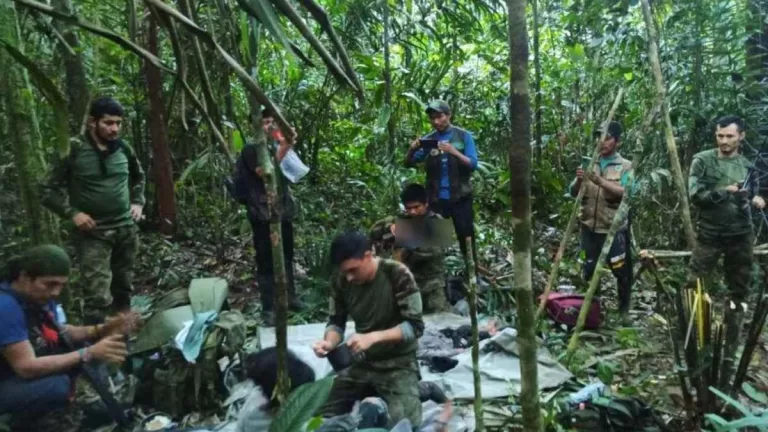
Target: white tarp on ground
[{"x": 499, "y": 369}]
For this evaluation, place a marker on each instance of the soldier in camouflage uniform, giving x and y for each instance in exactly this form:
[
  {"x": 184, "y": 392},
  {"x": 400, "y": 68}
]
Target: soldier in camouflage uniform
[
  {"x": 99, "y": 186},
  {"x": 719, "y": 186},
  {"x": 724, "y": 226},
  {"x": 382, "y": 298},
  {"x": 427, "y": 263}
]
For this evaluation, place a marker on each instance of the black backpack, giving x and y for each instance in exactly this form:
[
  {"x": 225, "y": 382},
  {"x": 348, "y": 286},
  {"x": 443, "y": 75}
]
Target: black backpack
[{"x": 237, "y": 183}]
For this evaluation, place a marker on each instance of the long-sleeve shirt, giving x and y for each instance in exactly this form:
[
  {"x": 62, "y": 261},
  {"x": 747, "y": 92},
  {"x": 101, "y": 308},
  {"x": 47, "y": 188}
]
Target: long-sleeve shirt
[
  {"x": 469, "y": 150},
  {"x": 102, "y": 184},
  {"x": 721, "y": 213}
]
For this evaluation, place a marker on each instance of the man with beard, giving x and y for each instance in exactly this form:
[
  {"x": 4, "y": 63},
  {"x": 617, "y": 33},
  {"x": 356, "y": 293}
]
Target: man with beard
[
  {"x": 99, "y": 186},
  {"x": 606, "y": 182},
  {"x": 719, "y": 186}
]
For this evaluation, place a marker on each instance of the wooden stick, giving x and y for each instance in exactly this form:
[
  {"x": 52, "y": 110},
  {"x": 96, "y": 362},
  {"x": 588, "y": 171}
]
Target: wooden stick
[
  {"x": 575, "y": 213},
  {"x": 667, "y": 254}
]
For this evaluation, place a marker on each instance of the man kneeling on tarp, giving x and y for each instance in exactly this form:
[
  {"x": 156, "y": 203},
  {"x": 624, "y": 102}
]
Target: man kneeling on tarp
[
  {"x": 383, "y": 300},
  {"x": 37, "y": 375}
]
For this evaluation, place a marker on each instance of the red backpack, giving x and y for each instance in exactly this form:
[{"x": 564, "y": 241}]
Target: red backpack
[{"x": 564, "y": 308}]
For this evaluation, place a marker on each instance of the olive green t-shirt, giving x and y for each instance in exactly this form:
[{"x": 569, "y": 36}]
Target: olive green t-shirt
[{"x": 391, "y": 299}]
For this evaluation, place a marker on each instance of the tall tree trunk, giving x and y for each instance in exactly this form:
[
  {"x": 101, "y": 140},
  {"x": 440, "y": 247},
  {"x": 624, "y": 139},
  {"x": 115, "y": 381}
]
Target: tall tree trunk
[
  {"x": 674, "y": 159},
  {"x": 271, "y": 179},
  {"x": 388, "y": 84},
  {"x": 520, "y": 189},
  {"x": 17, "y": 98},
  {"x": 537, "y": 115},
  {"x": 162, "y": 168},
  {"x": 469, "y": 264},
  {"x": 74, "y": 71}
]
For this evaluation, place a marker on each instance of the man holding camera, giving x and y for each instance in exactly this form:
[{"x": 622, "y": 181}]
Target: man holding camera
[{"x": 449, "y": 157}]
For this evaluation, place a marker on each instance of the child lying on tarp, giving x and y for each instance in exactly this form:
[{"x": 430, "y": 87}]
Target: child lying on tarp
[{"x": 260, "y": 409}]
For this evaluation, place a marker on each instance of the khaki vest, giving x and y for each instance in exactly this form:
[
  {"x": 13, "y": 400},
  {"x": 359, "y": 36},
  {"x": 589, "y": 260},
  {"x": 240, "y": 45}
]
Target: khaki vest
[{"x": 596, "y": 210}]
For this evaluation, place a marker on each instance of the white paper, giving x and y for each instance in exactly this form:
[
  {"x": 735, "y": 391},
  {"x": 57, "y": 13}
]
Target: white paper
[{"x": 293, "y": 168}]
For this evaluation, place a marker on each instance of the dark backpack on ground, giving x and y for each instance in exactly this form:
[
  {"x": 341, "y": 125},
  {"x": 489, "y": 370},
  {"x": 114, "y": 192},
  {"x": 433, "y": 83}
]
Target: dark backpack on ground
[{"x": 616, "y": 414}]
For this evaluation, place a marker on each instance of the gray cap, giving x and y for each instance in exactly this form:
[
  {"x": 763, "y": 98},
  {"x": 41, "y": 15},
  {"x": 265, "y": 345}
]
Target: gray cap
[{"x": 438, "y": 105}]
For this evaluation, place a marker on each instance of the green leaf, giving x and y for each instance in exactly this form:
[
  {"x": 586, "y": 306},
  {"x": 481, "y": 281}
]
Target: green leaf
[
  {"x": 628, "y": 76},
  {"x": 754, "y": 394},
  {"x": 262, "y": 10},
  {"x": 605, "y": 373},
  {"x": 730, "y": 401},
  {"x": 301, "y": 405},
  {"x": 381, "y": 122},
  {"x": 414, "y": 98},
  {"x": 237, "y": 140}
]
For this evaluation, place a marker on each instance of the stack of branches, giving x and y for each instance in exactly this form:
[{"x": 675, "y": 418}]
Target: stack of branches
[{"x": 703, "y": 342}]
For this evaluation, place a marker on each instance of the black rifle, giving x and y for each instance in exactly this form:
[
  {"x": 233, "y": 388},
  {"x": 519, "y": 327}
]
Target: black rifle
[{"x": 115, "y": 410}]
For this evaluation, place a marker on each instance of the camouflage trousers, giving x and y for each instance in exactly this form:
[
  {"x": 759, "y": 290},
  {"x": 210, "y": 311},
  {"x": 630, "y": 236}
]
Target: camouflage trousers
[
  {"x": 433, "y": 295},
  {"x": 399, "y": 388},
  {"x": 106, "y": 270},
  {"x": 737, "y": 262}
]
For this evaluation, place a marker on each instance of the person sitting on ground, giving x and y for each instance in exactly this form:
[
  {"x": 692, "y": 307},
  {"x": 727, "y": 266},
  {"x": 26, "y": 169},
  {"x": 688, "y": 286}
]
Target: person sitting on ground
[
  {"x": 37, "y": 374},
  {"x": 427, "y": 263},
  {"x": 383, "y": 300},
  {"x": 261, "y": 367}
]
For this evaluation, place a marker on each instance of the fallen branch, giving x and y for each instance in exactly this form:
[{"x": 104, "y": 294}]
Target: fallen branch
[{"x": 665, "y": 254}]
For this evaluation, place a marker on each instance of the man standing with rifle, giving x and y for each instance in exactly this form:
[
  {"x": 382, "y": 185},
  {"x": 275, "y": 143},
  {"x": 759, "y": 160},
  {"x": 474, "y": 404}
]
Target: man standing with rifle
[{"x": 38, "y": 362}]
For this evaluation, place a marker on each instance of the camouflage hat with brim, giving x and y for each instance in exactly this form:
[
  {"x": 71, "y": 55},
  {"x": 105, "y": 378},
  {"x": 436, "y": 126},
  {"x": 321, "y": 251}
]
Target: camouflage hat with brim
[{"x": 438, "y": 105}]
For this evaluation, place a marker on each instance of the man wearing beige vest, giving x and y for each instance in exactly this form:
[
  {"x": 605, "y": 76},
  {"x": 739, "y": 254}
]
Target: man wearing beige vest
[{"x": 605, "y": 183}]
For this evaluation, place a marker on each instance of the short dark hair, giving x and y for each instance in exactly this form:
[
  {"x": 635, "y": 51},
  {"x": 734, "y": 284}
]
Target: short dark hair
[
  {"x": 348, "y": 245},
  {"x": 261, "y": 367},
  {"x": 730, "y": 119},
  {"x": 106, "y": 106},
  {"x": 414, "y": 192},
  {"x": 267, "y": 113},
  {"x": 614, "y": 130}
]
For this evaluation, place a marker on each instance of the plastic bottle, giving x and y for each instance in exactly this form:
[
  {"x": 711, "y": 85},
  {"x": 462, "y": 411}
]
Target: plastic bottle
[{"x": 60, "y": 315}]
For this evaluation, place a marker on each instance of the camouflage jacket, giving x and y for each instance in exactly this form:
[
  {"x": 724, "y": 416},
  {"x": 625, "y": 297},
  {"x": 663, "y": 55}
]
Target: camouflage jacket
[{"x": 424, "y": 262}]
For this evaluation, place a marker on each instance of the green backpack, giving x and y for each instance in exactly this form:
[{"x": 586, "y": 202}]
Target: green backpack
[{"x": 180, "y": 387}]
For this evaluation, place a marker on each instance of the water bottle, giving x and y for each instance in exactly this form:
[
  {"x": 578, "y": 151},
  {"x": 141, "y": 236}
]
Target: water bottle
[{"x": 60, "y": 315}]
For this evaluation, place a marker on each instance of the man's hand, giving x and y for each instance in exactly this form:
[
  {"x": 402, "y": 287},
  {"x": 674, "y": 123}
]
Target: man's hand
[
  {"x": 136, "y": 212},
  {"x": 361, "y": 342},
  {"x": 322, "y": 348},
  {"x": 259, "y": 171},
  {"x": 415, "y": 144},
  {"x": 733, "y": 188},
  {"x": 594, "y": 178},
  {"x": 758, "y": 202},
  {"x": 392, "y": 229},
  {"x": 123, "y": 324},
  {"x": 83, "y": 221},
  {"x": 447, "y": 147},
  {"x": 110, "y": 349},
  {"x": 580, "y": 173}
]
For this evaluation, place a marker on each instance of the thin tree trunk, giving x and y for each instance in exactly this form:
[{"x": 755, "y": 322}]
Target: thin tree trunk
[
  {"x": 78, "y": 95},
  {"x": 520, "y": 191},
  {"x": 162, "y": 168},
  {"x": 618, "y": 220},
  {"x": 388, "y": 85},
  {"x": 478, "y": 402},
  {"x": 17, "y": 97},
  {"x": 674, "y": 159},
  {"x": 553, "y": 274},
  {"x": 537, "y": 115}
]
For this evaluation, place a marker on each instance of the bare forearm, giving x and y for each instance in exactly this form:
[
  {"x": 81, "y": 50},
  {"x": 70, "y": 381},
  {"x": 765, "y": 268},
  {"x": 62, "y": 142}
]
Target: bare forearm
[
  {"x": 48, "y": 365},
  {"x": 394, "y": 334},
  {"x": 333, "y": 337},
  {"x": 84, "y": 333}
]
